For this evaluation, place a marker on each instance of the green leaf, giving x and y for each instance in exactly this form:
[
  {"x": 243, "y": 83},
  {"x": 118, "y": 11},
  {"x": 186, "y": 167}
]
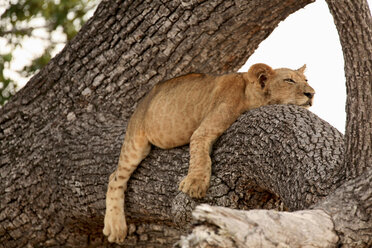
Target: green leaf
[
  {"x": 7, "y": 57},
  {"x": 18, "y": 21}
]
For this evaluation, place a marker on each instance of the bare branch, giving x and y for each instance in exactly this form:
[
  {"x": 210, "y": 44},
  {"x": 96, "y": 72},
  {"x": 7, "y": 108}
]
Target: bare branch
[
  {"x": 260, "y": 228},
  {"x": 24, "y": 31}
]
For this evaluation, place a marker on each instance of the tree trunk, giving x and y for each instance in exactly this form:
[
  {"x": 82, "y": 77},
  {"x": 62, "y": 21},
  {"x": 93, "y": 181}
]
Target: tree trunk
[
  {"x": 61, "y": 135},
  {"x": 354, "y": 24},
  {"x": 349, "y": 207}
]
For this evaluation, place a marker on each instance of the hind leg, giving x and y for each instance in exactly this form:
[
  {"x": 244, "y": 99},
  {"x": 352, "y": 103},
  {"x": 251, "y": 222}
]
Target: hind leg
[{"x": 135, "y": 148}]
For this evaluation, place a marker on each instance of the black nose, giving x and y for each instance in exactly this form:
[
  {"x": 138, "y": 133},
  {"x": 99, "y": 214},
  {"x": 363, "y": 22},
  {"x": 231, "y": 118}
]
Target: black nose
[{"x": 309, "y": 95}]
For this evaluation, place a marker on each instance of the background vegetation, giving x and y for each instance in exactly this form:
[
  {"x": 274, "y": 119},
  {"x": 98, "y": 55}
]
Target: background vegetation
[{"x": 22, "y": 19}]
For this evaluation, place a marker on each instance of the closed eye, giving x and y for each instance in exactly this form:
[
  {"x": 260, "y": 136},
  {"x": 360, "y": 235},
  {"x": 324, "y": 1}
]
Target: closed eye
[{"x": 290, "y": 80}]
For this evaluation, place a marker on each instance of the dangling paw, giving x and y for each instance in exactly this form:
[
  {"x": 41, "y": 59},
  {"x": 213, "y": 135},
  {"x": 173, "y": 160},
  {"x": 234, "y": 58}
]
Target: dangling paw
[{"x": 115, "y": 226}]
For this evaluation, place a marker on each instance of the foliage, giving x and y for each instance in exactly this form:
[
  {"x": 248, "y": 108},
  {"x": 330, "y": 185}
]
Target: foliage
[
  {"x": 22, "y": 19},
  {"x": 7, "y": 87}
]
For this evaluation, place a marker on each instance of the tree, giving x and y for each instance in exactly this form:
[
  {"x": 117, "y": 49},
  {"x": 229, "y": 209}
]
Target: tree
[
  {"x": 345, "y": 214},
  {"x": 61, "y": 134},
  {"x": 23, "y": 19}
]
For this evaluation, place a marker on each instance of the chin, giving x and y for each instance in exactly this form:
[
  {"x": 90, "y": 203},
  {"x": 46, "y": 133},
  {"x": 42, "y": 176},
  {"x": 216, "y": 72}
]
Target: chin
[{"x": 306, "y": 104}]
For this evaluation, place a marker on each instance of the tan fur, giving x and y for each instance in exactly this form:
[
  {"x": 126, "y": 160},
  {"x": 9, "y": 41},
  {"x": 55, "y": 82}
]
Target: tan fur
[{"x": 195, "y": 109}]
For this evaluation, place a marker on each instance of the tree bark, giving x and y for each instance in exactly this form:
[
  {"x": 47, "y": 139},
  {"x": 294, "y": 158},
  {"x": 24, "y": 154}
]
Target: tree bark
[
  {"x": 341, "y": 219},
  {"x": 61, "y": 135},
  {"x": 354, "y": 24},
  {"x": 349, "y": 208},
  {"x": 264, "y": 147}
]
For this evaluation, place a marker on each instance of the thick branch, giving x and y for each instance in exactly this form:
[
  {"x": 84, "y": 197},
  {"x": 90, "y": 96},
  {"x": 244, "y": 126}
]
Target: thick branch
[
  {"x": 343, "y": 218},
  {"x": 240, "y": 163},
  {"x": 60, "y": 136},
  {"x": 354, "y": 24},
  {"x": 224, "y": 227},
  {"x": 350, "y": 207}
]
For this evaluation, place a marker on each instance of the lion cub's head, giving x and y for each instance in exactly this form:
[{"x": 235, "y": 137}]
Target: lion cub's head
[{"x": 282, "y": 86}]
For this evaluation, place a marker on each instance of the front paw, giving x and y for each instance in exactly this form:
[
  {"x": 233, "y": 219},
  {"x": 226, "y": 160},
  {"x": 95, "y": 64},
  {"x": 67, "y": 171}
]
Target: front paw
[
  {"x": 195, "y": 186},
  {"x": 115, "y": 226}
]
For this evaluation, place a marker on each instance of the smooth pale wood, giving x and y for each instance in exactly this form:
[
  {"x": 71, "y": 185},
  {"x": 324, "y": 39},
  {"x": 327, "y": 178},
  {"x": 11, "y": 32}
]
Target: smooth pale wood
[{"x": 224, "y": 227}]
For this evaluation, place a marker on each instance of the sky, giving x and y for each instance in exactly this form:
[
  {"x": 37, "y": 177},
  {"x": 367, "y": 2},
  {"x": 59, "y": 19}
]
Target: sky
[{"x": 308, "y": 36}]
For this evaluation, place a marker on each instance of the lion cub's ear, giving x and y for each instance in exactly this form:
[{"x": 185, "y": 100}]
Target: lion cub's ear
[
  {"x": 260, "y": 72},
  {"x": 302, "y": 69}
]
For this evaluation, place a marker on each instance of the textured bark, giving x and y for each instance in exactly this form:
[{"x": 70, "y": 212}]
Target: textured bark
[
  {"x": 266, "y": 145},
  {"x": 350, "y": 206},
  {"x": 354, "y": 24},
  {"x": 341, "y": 219},
  {"x": 61, "y": 135}
]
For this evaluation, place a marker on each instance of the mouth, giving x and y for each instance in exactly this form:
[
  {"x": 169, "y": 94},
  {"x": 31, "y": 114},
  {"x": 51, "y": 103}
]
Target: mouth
[{"x": 307, "y": 104}]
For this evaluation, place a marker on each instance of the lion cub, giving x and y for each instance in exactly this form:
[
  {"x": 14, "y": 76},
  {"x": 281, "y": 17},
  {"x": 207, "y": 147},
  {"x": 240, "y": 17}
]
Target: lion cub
[{"x": 196, "y": 109}]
